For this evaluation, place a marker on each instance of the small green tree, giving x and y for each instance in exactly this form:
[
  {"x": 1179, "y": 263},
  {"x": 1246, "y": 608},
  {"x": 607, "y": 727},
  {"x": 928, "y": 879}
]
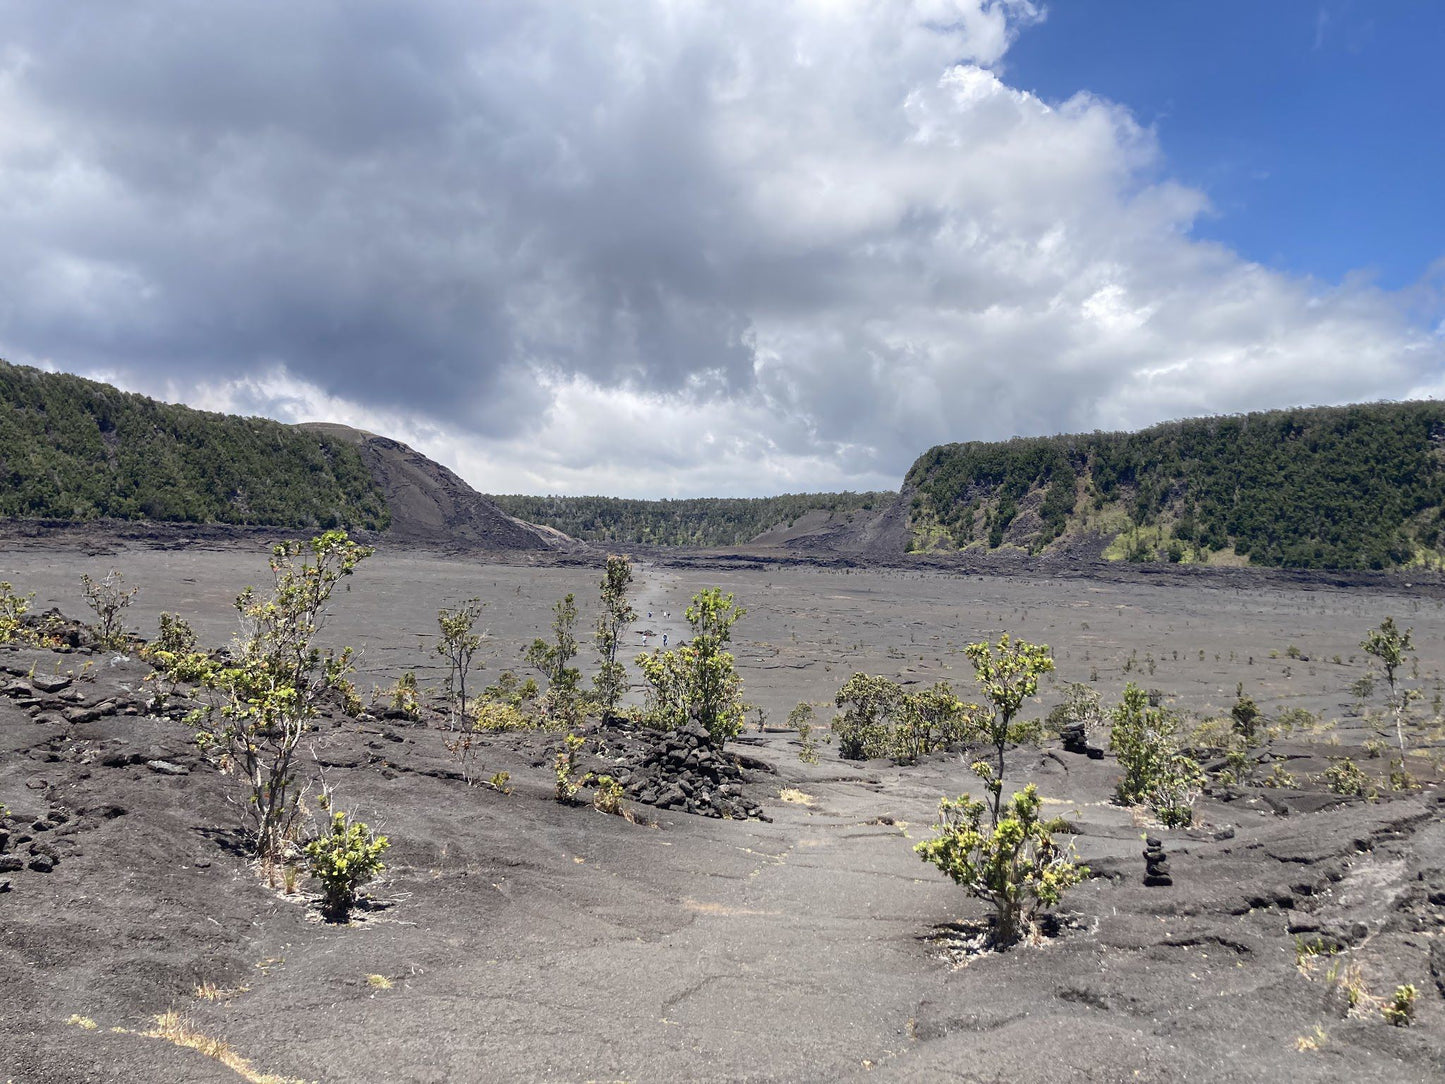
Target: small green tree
[
  {"x": 264, "y": 697},
  {"x": 458, "y": 643},
  {"x": 553, "y": 661},
  {"x": 1012, "y": 862},
  {"x": 698, "y": 679},
  {"x": 108, "y": 599},
  {"x": 1156, "y": 773},
  {"x": 1392, "y": 647},
  {"x": 1245, "y": 713},
  {"x": 617, "y": 614},
  {"x": 343, "y": 859},
  {"x": 1007, "y": 675}
]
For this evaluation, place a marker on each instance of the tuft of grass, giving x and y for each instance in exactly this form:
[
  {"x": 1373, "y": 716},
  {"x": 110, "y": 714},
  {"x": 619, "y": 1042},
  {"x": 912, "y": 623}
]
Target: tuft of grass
[
  {"x": 174, "y": 1028},
  {"x": 797, "y": 797},
  {"x": 84, "y": 1022},
  {"x": 209, "y": 991},
  {"x": 379, "y": 982}
]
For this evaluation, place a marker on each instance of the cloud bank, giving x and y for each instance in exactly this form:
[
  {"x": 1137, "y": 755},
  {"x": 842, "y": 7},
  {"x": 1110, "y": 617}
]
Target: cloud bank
[{"x": 651, "y": 248}]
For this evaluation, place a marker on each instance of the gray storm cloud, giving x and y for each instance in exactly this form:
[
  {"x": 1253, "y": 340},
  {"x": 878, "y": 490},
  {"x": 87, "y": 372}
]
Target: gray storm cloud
[{"x": 649, "y": 248}]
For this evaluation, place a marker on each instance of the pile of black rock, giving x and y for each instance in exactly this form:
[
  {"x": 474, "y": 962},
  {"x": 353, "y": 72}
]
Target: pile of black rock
[
  {"x": 21, "y": 849},
  {"x": 1075, "y": 740},
  {"x": 680, "y": 769},
  {"x": 58, "y": 699},
  {"x": 1156, "y": 865}
]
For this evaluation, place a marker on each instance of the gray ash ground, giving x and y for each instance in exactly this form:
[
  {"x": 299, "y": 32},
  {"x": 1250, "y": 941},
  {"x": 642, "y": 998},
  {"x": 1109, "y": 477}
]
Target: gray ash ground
[{"x": 520, "y": 939}]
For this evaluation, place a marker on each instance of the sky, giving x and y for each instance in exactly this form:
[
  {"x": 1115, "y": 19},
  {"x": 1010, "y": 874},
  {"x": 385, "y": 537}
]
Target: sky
[{"x": 661, "y": 248}]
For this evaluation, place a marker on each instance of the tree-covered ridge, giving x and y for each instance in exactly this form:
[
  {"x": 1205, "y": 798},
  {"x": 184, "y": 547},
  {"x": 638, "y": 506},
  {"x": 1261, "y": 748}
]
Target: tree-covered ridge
[
  {"x": 74, "y": 449},
  {"x": 700, "y": 521},
  {"x": 1320, "y": 487}
]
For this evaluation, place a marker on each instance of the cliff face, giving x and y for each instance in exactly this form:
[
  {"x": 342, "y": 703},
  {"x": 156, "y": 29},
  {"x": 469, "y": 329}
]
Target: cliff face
[{"x": 429, "y": 503}]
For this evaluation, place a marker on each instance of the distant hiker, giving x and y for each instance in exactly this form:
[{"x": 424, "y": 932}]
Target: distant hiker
[{"x": 664, "y": 639}]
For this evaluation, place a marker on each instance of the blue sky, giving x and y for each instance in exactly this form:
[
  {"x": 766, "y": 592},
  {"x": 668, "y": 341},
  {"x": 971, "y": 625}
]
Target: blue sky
[
  {"x": 1316, "y": 129},
  {"x": 672, "y": 248}
]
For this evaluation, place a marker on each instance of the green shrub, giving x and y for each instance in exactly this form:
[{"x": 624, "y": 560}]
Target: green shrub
[
  {"x": 1245, "y": 713},
  {"x": 1279, "y": 776},
  {"x": 1345, "y": 777},
  {"x": 698, "y": 679},
  {"x": 1013, "y": 864},
  {"x": 404, "y": 697},
  {"x": 607, "y": 795},
  {"x": 564, "y": 765},
  {"x": 863, "y": 730},
  {"x": 1399, "y": 1010},
  {"x": 1392, "y": 648},
  {"x": 884, "y": 721},
  {"x": 175, "y": 637},
  {"x": 344, "y": 859},
  {"x": 801, "y": 720},
  {"x": 13, "y": 608},
  {"x": 174, "y": 657},
  {"x": 501, "y": 716},
  {"x": 1156, "y": 773},
  {"x": 512, "y": 691}
]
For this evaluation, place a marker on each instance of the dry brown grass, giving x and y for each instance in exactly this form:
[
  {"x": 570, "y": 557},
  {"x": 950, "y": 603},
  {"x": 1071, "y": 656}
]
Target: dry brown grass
[
  {"x": 174, "y": 1028},
  {"x": 797, "y": 797},
  {"x": 209, "y": 991}
]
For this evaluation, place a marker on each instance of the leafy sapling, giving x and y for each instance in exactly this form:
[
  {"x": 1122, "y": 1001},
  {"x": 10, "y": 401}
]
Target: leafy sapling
[
  {"x": 1007, "y": 676},
  {"x": 458, "y": 643},
  {"x": 1145, "y": 739},
  {"x": 1392, "y": 648},
  {"x": 1002, "y": 852},
  {"x": 265, "y": 696},
  {"x": 698, "y": 679},
  {"x": 107, "y": 599},
  {"x": 564, "y": 766},
  {"x": 612, "y": 623},
  {"x": 554, "y": 659}
]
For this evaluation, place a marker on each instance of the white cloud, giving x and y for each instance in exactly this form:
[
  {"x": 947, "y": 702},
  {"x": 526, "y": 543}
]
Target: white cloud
[{"x": 664, "y": 248}]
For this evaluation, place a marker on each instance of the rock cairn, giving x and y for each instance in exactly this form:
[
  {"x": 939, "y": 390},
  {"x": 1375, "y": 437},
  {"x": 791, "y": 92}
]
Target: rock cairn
[
  {"x": 1075, "y": 741},
  {"x": 1156, "y": 865},
  {"x": 679, "y": 769}
]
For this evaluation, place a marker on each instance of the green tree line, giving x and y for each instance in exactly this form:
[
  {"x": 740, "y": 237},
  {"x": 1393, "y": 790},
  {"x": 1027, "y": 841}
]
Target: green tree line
[
  {"x": 74, "y": 449},
  {"x": 698, "y": 522},
  {"x": 1348, "y": 487}
]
